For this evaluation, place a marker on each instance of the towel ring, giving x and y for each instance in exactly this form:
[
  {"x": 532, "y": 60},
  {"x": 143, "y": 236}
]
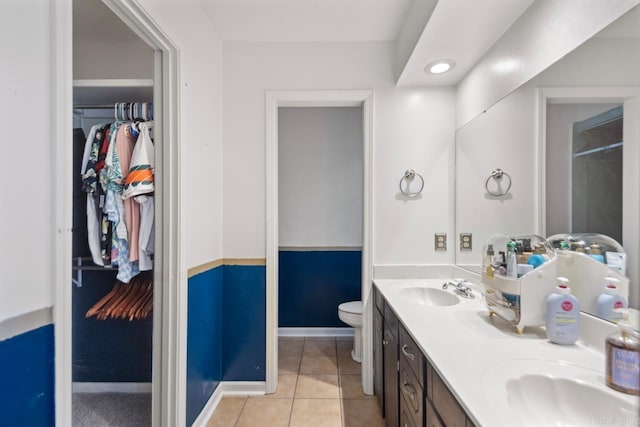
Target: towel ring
[
  {"x": 409, "y": 175},
  {"x": 497, "y": 175}
]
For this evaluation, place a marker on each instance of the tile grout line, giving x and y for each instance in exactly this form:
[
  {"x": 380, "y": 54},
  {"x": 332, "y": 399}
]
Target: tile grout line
[{"x": 246, "y": 399}]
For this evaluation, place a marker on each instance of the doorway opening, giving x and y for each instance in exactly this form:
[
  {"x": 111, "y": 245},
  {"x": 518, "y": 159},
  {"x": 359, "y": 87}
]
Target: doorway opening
[
  {"x": 80, "y": 96},
  {"x": 289, "y": 226}
]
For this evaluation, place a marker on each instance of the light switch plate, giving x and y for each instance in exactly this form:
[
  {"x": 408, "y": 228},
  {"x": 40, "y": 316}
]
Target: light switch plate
[
  {"x": 466, "y": 242},
  {"x": 440, "y": 242}
]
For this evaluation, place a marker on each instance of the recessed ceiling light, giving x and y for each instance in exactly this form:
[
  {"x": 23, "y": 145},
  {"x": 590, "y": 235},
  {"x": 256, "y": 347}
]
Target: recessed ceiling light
[{"x": 440, "y": 66}]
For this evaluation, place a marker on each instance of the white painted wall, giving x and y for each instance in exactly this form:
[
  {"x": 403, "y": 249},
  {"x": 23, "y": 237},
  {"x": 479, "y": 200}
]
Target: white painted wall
[
  {"x": 545, "y": 33},
  {"x": 320, "y": 167},
  {"x": 413, "y": 128},
  {"x": 505, "y": 137},
  {"x": 186, "y": 23},
  {"x": 560, "y": 121},
  {"x": 25, "y": 266},
  {"x": 129, "y": 60}
]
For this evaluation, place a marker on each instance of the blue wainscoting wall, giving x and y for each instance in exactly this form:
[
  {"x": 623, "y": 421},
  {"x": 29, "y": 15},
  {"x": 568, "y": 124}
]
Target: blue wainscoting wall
[
  {"x": 226, "y": 326},
  {"x": 313, "y": 283},
  {"x": 27, "y": 379},
  {"x": 204, "y": 339},
  {"x": 244, "y": 324}
]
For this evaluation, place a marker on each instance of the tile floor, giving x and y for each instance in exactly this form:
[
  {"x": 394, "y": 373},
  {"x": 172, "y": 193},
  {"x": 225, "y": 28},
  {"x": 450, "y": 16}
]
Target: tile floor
[{"x": 318, "y": 386}]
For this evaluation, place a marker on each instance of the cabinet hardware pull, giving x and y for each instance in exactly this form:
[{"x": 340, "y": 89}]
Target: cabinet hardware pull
[
  {"x": 412, "y": 394},
  {"x": 409, "y": 355},
  {"x": 385, "y": 342}
]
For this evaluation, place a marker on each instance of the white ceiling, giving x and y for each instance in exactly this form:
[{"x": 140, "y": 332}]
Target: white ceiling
[
  {"x": 307, "y": 20},
  {"x": 461, "y": 30},
  {"x": 628, "y": 25}
]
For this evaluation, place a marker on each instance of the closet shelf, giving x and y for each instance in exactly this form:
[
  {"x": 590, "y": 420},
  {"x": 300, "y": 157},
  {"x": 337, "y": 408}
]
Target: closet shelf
[{"x": 110, "y": 91}]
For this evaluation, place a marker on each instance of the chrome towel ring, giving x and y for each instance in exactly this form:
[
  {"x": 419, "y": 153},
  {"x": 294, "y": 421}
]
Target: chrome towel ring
[
  {"x": 497, "y": 176},
  {"x": 409, "y": 175}
]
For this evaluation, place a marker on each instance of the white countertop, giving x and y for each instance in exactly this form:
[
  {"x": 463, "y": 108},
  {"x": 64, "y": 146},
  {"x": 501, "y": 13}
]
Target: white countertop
[{"x": 474, "y": 353}]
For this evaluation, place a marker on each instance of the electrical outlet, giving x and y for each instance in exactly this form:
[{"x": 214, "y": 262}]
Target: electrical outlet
[
  {"x": 466, "y": 242},
  {"x": 440, "y": 243}
]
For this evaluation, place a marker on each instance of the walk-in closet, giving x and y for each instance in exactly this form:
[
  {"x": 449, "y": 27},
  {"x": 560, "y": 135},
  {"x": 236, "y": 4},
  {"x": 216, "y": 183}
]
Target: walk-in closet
[{"x": 113, "y": 221}]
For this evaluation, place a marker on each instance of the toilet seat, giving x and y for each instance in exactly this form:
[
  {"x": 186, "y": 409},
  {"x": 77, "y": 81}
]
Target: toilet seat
[
  {"x": 351, "y": 314},
  {"x": 354, "y": 307}
]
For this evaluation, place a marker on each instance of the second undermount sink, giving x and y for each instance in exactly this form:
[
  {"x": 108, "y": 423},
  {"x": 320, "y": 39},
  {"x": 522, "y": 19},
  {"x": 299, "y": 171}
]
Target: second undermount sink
[
  {"x": 429, "y": 296},
  {"x": 547, "y": 400},
  {"x": 549, "y": 393}
]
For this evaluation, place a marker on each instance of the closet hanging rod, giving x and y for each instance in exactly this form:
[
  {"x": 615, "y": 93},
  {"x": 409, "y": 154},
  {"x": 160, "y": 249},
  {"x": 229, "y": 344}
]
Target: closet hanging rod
[{"x": 94, "y": 107}]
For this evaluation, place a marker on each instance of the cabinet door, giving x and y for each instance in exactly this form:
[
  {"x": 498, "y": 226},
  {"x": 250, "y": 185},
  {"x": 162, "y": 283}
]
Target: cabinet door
[
  {"x": 390, "y": 378},
  {"x": 378, "y": 360}
]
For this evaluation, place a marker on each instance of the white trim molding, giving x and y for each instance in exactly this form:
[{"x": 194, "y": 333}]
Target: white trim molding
[
  {"x": 25, "y": 322},
  {"x": 225, "y": 389},
  {"x": 86, "y": 387},
  {"x": 315, "y": 332},
  {"x": 315, "y": 98},
  {"x": 169, "y": 332}
]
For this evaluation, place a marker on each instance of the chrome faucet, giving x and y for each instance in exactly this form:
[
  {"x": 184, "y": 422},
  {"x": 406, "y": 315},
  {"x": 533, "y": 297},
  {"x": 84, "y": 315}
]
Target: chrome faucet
[{"x": 460, "y": 287}]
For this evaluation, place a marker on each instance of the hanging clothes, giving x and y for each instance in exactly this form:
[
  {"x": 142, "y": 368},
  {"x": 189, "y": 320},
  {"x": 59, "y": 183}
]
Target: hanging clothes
[{"x": 120, "y": 208}]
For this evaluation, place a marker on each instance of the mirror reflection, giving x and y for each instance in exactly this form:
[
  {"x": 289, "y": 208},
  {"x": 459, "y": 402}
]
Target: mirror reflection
[{"x": 570, "y": 140}]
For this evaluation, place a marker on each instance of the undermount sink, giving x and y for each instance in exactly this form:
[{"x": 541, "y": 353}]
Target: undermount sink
[
  {"x": 429, "y": 296},
  {"x": 562, "y": 395},
  {"x": 545, "y": 400}
]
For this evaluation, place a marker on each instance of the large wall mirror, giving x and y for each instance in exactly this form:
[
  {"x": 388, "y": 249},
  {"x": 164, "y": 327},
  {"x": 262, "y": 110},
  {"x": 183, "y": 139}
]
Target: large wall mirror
[{"x": 569, "y": 140}]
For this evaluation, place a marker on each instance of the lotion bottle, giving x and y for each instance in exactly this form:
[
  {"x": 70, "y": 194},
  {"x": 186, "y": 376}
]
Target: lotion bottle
[
  {"x": 562, "y": 315},
  {"x": 623, "y": 358},
  {"x": 610, "y": 300}
]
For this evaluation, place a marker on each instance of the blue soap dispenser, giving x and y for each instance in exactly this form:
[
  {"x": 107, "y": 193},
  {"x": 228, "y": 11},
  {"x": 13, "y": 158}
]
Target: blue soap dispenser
[
  {"x": 610, "y": 300},
  {"x": 563, "y": 315}
]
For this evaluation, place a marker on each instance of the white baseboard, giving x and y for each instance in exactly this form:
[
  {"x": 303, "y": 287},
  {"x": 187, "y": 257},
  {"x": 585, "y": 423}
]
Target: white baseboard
[
  {"x": 209, "y": 408},
  {"x": 315, "y": 332},
  {"x": 228, "y": 388},
  {"x": 79, "y": 387}
]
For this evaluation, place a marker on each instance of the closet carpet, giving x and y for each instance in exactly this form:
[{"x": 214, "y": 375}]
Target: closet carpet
[{"x": 111, "y": 409}]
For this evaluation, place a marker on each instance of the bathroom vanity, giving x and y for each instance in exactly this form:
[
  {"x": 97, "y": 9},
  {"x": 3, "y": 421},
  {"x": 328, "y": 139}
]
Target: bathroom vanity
[{"x": 441, "y": 360}]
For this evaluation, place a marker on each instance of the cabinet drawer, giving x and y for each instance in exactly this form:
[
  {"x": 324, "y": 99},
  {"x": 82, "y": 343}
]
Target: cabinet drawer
[
  {"x": 446, "y": 405},
  {"x": 378, "y": 300},
  {"x": 411, "y": 391},
  {"x": 410, "y": 352},
  {"x": 406, "y": 417},
  {"x": 390, "y": 319},
  {"x": 431, "y": 419}
]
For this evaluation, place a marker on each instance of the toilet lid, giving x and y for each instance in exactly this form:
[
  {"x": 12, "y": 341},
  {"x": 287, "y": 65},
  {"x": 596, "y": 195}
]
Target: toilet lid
[{"x": 354, "y": 307}]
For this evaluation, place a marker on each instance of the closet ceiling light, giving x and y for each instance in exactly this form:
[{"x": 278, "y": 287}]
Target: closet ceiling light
[{"x": 440, "y": 66}]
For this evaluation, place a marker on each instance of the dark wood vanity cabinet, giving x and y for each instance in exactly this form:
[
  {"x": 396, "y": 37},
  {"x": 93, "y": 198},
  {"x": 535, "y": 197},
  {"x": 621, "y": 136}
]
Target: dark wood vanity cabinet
[
  {"x": 378, "y": 362},
  {"x": 390, "y": 367},
  {"x": 410, "y": 391}
]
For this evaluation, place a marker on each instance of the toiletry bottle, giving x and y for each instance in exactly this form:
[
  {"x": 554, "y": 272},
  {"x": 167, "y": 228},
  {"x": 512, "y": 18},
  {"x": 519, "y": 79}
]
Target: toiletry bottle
[
  {"x": 488, "y": 261},
  {"x": 512, "y": 263},
  {"x": 623, "y": 357},
  {"x": 562, "y": 315},
  {"x": 536, "y": 259},
  {"x": 610, "y": 300},
  {"x": 596, "y": 253}
]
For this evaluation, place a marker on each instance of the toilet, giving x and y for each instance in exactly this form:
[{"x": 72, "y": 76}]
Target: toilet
[{"x": 351, "y": 314}]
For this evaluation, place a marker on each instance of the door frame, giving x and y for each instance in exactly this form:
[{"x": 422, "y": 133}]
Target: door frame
[
  {"x": 316, "y": 98},
  {"x": 587, "y": 95},
  {"x": 169, "y": 314}
]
